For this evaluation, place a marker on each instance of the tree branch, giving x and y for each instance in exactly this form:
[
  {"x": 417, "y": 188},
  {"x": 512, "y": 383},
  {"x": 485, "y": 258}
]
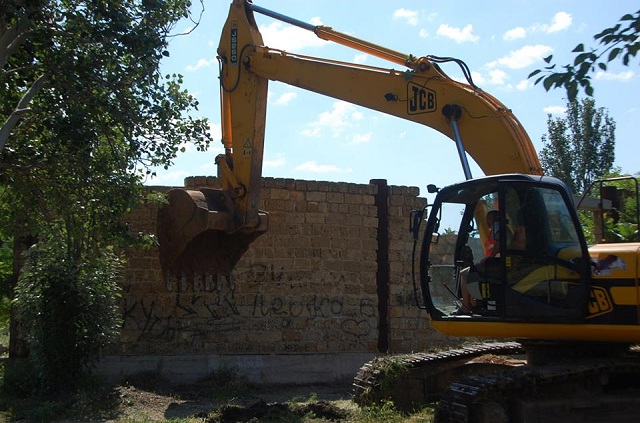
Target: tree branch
[
  {"x": 22, "y": 107},
  {"x": 12, "y": 38}
]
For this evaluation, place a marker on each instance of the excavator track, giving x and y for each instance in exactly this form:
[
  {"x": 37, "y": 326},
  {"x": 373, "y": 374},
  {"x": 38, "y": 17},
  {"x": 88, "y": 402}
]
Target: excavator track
[
  {"x": 592, "y": 390},
  {"x": 412, "y": 380}
]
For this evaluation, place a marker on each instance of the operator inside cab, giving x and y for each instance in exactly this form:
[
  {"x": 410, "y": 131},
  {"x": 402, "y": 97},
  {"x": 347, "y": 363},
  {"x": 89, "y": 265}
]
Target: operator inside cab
[{"x": 527, "y": 245}]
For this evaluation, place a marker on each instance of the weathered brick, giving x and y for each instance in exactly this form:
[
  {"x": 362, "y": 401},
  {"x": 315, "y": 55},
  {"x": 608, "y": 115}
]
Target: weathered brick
[
  {"x": 280, "y": 194},
  {"x": 317, "y": 196},
  {"x": 307, "y": 285},
  {"x": 335, "y": 197}
]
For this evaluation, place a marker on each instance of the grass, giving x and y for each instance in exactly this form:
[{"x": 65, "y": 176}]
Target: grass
[{"x": 390, "y": 371}]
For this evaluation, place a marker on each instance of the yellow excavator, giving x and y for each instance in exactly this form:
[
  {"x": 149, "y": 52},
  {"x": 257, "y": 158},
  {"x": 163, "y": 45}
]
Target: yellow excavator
[{"x": 573, "y": 308}]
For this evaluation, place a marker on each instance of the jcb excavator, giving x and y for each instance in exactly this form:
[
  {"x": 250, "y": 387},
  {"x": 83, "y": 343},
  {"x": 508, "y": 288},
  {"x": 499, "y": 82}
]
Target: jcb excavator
[{"x": 574, "y": 309}]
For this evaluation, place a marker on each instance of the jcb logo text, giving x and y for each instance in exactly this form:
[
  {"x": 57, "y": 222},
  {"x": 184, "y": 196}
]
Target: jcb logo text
[
  {"x": 599, "y": 302},
  {"x": 420, "y": 99}
]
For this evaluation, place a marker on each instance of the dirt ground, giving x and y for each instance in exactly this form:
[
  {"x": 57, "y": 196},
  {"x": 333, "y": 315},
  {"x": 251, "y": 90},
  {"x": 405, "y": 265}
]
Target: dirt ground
[
  {"x": 238, "y": 402},
  {"x": 153, "y": 398}
]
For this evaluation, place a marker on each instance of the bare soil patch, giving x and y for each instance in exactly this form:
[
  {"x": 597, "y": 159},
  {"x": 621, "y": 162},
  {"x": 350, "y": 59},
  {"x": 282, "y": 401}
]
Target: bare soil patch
[{"x": 229, "y": 401}]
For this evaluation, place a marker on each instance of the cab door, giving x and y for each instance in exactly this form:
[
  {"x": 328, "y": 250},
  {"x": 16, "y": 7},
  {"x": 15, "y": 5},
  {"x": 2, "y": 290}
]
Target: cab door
[{"x": 545, "y": 276}]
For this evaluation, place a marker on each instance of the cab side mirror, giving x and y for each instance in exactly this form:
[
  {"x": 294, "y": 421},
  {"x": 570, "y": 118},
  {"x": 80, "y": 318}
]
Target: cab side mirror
[{"x": 415, "y": 218}]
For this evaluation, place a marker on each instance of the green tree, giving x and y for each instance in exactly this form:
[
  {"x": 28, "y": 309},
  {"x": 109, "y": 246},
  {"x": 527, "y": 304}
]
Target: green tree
[
  {"x": 87, "y": 113},
  {"x": 617, "y": 43},
  {"x": 620, "y": 223},
  {"x": 580, "y": 147}
]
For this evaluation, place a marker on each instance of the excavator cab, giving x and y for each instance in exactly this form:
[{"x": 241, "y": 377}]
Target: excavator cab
[{"x": 519, "y": 254}]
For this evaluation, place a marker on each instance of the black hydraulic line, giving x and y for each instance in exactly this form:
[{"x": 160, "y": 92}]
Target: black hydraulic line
[
  {"x": 282, "y": 17},
  {"x": 463, "y": 66}
]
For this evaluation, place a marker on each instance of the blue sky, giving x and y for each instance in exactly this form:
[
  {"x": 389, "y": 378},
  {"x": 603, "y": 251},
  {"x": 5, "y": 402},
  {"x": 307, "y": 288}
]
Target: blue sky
[{"x": 312, "y": 137}]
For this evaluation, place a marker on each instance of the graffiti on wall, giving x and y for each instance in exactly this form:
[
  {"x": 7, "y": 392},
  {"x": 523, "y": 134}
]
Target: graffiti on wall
[
  {"x": 316, "y": 307},
  {"x": 201, "y": 310}
]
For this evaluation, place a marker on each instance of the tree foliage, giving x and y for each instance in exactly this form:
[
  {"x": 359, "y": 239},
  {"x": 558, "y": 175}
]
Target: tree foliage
[
  {"x": 579, "y": 148},
  {"x": 102, "y": 114},
  {"x": 87, "y": 113},
  {"x": 95, "y": 69},
  {"x": 617, "y": 43}
]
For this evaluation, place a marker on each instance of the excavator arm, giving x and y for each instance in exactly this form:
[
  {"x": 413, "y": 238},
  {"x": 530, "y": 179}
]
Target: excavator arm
[{"x": 421, "y": 92}]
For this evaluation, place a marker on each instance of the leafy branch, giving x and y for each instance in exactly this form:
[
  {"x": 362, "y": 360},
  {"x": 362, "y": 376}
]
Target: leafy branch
[{"x": 619, "y": 42}]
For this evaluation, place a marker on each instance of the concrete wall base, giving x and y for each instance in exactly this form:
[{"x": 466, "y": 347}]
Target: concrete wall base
[{"x": 259, "y": 369}]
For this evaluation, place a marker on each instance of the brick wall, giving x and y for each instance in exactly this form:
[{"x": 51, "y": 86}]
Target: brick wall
[{"x": 311, "y": 284}]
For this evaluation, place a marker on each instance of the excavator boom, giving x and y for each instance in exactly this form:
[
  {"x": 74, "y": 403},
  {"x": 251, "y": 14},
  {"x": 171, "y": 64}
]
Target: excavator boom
[{"x": 421, "y": 92}]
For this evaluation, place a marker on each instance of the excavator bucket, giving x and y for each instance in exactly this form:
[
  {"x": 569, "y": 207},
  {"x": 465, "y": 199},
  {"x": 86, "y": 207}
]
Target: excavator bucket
[{"x": 201, "y": 233}]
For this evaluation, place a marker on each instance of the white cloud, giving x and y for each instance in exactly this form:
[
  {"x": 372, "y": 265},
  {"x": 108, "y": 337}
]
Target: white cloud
[
  {"x": 477, "y": 77},
  {"x": 523, "y": 57},
  {"x": 555, "y": 110},
  {"x": 456, "y": 34},
  {"x": 423, "y": 33},
  {"x": 357, "y": 115},
  {"x": 312, "y": 132},
  {"x": 498, "y": 77},
  {"x": 361, "y": 138},
  {"x": 515, "y": 34},
  {"x": 312, "y": 166},
  {"x": 608, "y": 76},
  {"x": 491, "y": 77},
  {"x": 360, "y": 58},
  {"x": 525, "y": 84},
  {"x": 202, "y": 63},
  {"x": 559, "y": 22},
  {"x": 341, "y": 116},
  {"x": 285, "y": 98},
  {"x": 410, "y": 16},
  {"x": 288, "y": 37}
]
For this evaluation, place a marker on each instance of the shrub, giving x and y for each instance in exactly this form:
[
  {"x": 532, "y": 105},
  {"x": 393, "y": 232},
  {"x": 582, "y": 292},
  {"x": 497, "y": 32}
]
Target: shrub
[{"x": 69, "y": 311}]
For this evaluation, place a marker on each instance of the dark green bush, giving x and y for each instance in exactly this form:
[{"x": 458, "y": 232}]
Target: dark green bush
[{"x": 69, "y": 311}]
